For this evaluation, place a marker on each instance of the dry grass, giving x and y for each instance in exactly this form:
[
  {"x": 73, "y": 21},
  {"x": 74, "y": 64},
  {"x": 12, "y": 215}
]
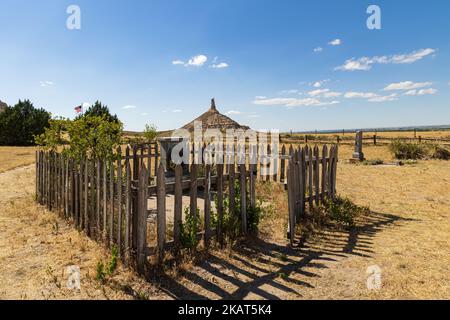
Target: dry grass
[
  {"x": 13, "y": 157},
  {"x": 37, "y": 246}
]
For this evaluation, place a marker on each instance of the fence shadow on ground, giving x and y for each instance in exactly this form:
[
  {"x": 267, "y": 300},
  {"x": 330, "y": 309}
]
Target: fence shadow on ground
[{"x": 258, "y": 269}]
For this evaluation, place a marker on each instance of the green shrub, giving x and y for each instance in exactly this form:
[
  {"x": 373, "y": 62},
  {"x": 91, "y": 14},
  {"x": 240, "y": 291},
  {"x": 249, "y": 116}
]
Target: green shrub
[
  {"x": 101, "y": 273},
  {"x": 112, "y": 265},
  {"x": 438, "y": 152},
  {"x": 404, "y": 150},
  {"x": 189, "y": 229},
  {"x": 232, "y": 220},
  {"x": 343, "y": 210}
]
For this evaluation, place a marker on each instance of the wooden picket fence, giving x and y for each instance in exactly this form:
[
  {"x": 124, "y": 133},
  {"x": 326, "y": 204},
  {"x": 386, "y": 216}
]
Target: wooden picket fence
[
  {"x": 109, "y": 199},
  {"x": 311, "y": 177}
]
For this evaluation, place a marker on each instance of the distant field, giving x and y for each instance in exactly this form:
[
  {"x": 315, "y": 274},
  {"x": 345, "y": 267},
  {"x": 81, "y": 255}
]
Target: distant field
[{"x": 13, "y": 157}]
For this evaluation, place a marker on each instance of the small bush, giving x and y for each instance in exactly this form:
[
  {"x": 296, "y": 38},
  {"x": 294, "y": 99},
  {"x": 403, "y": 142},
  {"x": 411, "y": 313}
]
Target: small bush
[
  {"x": 438, "y": 152},
  {"x": 343, "y": 210},
  {"x": 101, "y": 273},
  {"x": 112, "y": 265},
  {"x": 189, "y": 229},
  {"x": 404, "y": 150}
]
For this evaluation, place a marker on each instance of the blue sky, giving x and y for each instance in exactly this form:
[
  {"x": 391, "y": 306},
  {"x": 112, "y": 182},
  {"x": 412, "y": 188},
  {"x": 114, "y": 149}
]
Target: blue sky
[{"x": 300, "y": 65}]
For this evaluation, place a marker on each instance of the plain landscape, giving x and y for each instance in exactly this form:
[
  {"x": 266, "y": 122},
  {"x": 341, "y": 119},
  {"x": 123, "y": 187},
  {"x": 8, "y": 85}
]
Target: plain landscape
[{"x": 406, "y": 235}]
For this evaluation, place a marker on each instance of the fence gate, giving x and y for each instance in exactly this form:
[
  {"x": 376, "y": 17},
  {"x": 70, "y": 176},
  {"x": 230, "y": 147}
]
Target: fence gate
[{"x": 311, "y": 177}]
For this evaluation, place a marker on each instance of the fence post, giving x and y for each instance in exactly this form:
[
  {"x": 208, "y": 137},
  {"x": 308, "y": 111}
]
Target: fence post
[
  {"x": 105, "y": 201},
  {"x": 243, "y": 189},
  {"x": 119, "y": 200},
  {"x": 111, "y": 203},
  {"x": 208, "y": 203},
  {"x": 219, "y": 185},
  {"x": 324, "y": 171},
  {"x": 291, "y": 198},
  {"x": 178, "y": 206},
  {"x": 161, "y": 208},
  {"x": 97, "y": 200},
  {"x": 283, "y": 164},
  {"x": 127, "y": 206},
  {"x": 316, "y": 175},
  {"x": 142, "y": 220}
]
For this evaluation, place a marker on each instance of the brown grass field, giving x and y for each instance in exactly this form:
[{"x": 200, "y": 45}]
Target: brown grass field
[{"x": 407, "y": 235}]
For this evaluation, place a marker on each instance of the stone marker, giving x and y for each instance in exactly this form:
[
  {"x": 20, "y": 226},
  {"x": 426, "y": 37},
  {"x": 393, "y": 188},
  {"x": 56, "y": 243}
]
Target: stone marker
[{"x": 358, "y": 154}]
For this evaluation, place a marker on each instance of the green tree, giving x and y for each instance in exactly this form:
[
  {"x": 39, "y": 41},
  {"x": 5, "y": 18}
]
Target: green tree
[
  {"x": 21, "y": 123},
  {"x": 99, "y": 110},
  {"x": 150, "y": 132},
  {"x": 94, "y": 137}
]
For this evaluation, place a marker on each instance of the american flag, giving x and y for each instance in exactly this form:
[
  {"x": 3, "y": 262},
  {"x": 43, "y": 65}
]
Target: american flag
[{"x": 78, "y": 109}]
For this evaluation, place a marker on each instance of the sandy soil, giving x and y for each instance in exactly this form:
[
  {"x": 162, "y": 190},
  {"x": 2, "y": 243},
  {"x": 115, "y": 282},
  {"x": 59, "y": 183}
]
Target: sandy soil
[{"x": 407, "y": 236}]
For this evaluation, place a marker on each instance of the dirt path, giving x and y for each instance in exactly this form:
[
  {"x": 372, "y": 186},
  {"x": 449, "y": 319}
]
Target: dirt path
[{"x": 407, "y": 237}]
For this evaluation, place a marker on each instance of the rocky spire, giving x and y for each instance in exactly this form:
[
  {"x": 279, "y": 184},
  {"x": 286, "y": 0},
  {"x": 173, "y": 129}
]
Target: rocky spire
[{"x": 213, "y": 104}]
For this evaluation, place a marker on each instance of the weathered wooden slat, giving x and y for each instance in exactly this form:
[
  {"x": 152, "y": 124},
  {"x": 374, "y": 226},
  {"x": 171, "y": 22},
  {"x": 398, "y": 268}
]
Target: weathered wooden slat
[
  {"x": 127, "y": 209},
  {"x": 105, "y": 200},
  {"x": 232, "y": 188},
  {"x": 111, "y": 204},
  {"x": 283, "y": 164},
  {"x": 193, "y": 190},
  {"x": 302, "y": 180},
  {"x": 316, "y": 174},
  {"x": 92, "y": 215},
  {"x": 178, "y": 206},
  {"x": 119, "y": 200},
  {"x": 291, "y": 177},
  {"x": 142, "y": 215},
  {"x": 324, "y": 171},
  {"x": 219, "y": 187},
  {"x": 243, "y": 190},
  {"x": 161, "y": 209},
  {"x": 98, "y": 178},
  {"x": 207, "y": 204},
  {"x": 310, "y": 177},
  {"x": 336, "y": 156}
]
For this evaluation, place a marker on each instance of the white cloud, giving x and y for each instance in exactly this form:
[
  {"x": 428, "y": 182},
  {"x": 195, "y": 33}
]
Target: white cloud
[
  {"x": 195, "y": 61},
  {"x": 332, "y": 94},
  {"x": 366, "y": 63},
  {"x": 293, "y": 102},
  {"x": 129, "y": 107},
  {"x": 254, "y": 116},
  {"x": 320, "y": 83},
  {"x": 144, "y": 114},
  {"x": 291, "y": 91},
  {"x": 233, "y": 112},
  {"x": 177, "y": 111},
  {"x": 46, "y": 83},
  {"x": 363, "y": 95},
  {"x": 221, "y": 65},
  {"x": 421, "y": 92},
  {"x": 318, "y": 92},
  {"x": 335, "y": 42},
  {"x": 86, "y": 105},
  {"x": 392, "y": 97},
  {"x": 318, "y": 49},
  {"x": 407, "y": 85},
  {"x": 260, "y": 97}
]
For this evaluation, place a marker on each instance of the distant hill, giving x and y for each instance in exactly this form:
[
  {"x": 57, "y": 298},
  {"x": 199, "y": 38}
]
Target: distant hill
[{"x": 387, "y": 129}]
